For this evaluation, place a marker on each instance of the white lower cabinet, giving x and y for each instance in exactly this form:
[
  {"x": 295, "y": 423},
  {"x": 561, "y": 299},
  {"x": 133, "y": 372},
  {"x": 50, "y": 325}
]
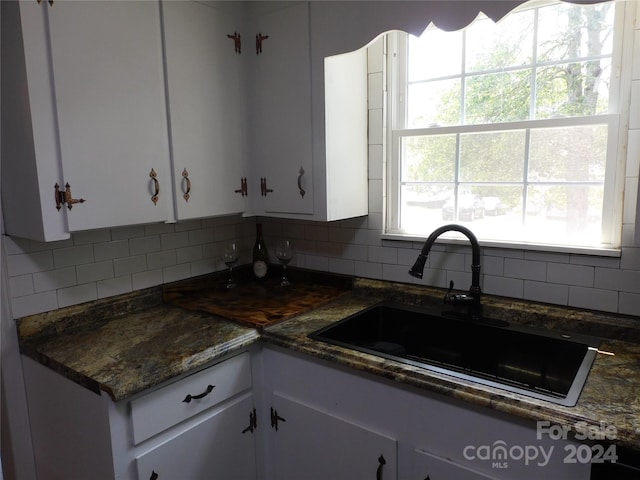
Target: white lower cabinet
[
  {"x": 311, "y": 444},
  {"x": 336, "y": 419},
  {"x": 202, "y": 426},
  {"x": 218, "y": 448}
]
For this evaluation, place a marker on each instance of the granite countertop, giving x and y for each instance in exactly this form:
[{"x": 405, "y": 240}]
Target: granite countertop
[
  {"x": 127, "y": 344},
  {"x": 611, "y": 395}
]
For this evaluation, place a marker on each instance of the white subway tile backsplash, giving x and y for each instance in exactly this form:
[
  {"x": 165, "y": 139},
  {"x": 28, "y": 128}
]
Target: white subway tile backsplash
[
  {"x": 138, "y": 246},
  {"x": 578, "y": 275},
  {"x": 446, "y": 261},
  {"x": 21, "y": 285},
  {"x": 146, "y": 279},
  {"x": 525, "y": 269},
  {"x": 375, "y": 90},
  {"x": 161, "y": 259},
  {"x": 546, "y": 292},
  {"x": 70, "y": 256},
  {"x": 593, "y": 298},
  {"x": 54, "y": 279},
  {"x": 375, "y": 196},
  {"x": 111, "y": 250},
  {"x": 92, "y": 236},
  {"x": 128, "y": 265},
  {"x": 114, "y": 286},
  {"x": 31, "y": 304},
  {"x": 176, "y": 272},
  {"x": 24, "y": 263},
  {"x": 341, "y": 266},
  {"x": 120, "y": 233},
  {"x": 503, "y": 286},
  {"x": 376, "y": 162},
  {"x": 620, "y": 280},
  {"x": 189, "y": 254},
  {"x": 158, "y": 228},
  {"x": 629, "y": 304},
  {"x": 383, "y": 255},
  {"x": 94, "y": 271},
  {"x": 174, "y": 240},
  {"x": 367, "y": 269},
  {"x": 77, "y": 294}
]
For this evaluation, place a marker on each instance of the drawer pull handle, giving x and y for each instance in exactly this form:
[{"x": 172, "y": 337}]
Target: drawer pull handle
[
  {"x": 381, "y": 464},
  {"x": 209, "y": 389}
]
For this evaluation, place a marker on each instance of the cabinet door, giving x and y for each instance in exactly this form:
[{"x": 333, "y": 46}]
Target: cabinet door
[
  {"x": 281, "y": 111},
  {"x": 206, "y": 92},
  {"x": 218, "y": 448},
  {"x": 312, "y": 444},
  {"x": 110, "y": 99}
]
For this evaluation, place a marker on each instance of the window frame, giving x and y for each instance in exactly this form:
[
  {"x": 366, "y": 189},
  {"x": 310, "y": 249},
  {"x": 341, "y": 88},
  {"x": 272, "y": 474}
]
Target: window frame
[{"x": 396, "y": 50}]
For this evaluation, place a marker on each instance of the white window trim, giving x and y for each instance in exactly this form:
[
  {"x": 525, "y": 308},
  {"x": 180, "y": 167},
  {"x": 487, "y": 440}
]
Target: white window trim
[{"x": 615, "y": 174}]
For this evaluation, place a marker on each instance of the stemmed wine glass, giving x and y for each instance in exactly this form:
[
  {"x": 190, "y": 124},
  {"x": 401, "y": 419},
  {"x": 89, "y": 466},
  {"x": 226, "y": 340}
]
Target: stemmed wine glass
[
  {"x": 230, "y": 257},
  {"x": 284, "y": 254}
]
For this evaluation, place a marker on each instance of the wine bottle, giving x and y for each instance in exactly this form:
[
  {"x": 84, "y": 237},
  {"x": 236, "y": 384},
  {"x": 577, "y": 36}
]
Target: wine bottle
[{"x": 260, "y": 256}]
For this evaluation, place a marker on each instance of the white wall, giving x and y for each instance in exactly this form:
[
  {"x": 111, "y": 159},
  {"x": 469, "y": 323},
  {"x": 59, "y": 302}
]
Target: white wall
[{"x": 102, "y": 263}]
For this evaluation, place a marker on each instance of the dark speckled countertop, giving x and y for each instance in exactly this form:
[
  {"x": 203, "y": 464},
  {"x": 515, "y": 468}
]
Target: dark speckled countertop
[
  {"x": 610, "y": 395},
  {"x": 127, "y": 344}
]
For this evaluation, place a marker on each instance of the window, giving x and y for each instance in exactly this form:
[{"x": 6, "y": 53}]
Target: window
[{"x": 510, "y": 128}]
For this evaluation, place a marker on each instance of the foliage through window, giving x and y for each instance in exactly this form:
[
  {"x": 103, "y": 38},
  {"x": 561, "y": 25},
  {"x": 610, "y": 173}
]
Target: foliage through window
[{"x": 510, "y": 127}]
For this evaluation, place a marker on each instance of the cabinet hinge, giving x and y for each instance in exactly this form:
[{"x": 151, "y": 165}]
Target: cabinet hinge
[
  {"x": 237, "y": 42},
  {"x": 64, "y": 197},
  {"x": 275, "y": 418},
  {"x": 253, "y": 422}
]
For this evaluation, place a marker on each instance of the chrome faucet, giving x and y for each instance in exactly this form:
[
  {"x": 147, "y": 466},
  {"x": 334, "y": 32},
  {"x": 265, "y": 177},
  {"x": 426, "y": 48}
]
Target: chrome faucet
[{"x": 473, "y": 299}]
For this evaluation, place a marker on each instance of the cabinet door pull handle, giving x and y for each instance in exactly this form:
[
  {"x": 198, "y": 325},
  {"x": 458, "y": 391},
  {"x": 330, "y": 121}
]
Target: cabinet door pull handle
[
  {"x": 156, "y": 186},
  {"x": 154, "y": 475},
  {"x": 189, "y": 397},
  {"x": 275, "y": 418},
  {"x": 185, "y": 175},
  {"x": 301, "y": 190},
  {"x": 243, "y": 190},
  {"x": 253, "y": 422},
  {"x": 263, "y": 187},
  {"x": 259, "y": 39},
  {"x": 381, "y": 464}
]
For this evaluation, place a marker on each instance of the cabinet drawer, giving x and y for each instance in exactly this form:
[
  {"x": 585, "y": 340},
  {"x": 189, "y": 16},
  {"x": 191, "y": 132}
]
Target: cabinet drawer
[{"x": 170, "y": 405}]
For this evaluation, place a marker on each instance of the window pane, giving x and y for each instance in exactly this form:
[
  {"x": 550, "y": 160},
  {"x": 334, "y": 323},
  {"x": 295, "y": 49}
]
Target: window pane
[
  {"x": 571, "y": 32},
  {"x": 428, "y": 158},
  {"x": 498, "y": 97},
  {"x": 568, "y": 154},
  {"x": 492, "y": 157},
  {"x": 421, "y": 206},
  {"x": 491, "y": 46},
  {"x": 434, "y": 103},
  {"x": 572, "y": 212},
  {"x": 573, "y": 89},
  {"x": 435, "y": 54}
]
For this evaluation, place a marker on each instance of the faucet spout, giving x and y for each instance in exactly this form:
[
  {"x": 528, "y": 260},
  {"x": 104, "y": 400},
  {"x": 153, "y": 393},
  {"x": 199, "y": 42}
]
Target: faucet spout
[{"x": 475, "y": 291}]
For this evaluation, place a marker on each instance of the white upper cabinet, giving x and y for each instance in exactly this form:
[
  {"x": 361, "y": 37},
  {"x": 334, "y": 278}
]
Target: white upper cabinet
[
  {"x": 280, "y": 120},
  {"x": 94, "y": 71},
  {"x": 303, "y": 170},
  {"x": 205, "y": 54}
]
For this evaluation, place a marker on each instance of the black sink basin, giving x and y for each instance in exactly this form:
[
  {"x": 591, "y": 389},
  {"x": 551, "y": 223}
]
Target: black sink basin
[{"x": 538, "y": 363}]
